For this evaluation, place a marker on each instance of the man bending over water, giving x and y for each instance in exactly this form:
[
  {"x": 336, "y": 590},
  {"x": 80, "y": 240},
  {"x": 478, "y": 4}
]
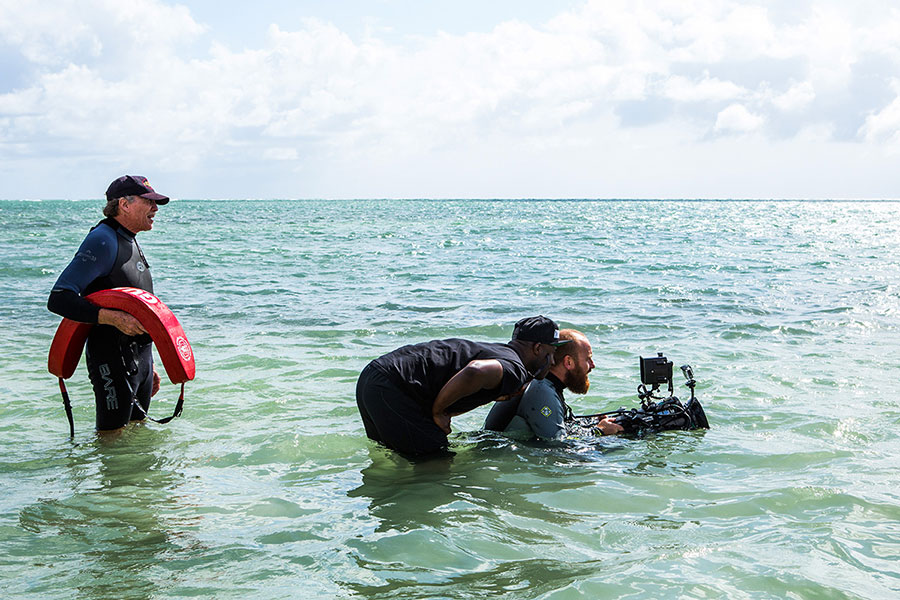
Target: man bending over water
[{"x": 407, "y": 397}]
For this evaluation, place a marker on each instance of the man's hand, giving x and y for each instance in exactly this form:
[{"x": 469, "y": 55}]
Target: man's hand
[
  {"x": 442, "y": 420},
  {"x": 121, "y": 320},
  {"x": 155, "y": 383},
  {"x": 608, "y": 427}
]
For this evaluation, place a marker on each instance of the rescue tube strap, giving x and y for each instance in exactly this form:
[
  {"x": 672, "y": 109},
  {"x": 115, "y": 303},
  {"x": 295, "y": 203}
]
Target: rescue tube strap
[
  {"x": 178, "y": 407},
  {"x": 68, "y": 406}
]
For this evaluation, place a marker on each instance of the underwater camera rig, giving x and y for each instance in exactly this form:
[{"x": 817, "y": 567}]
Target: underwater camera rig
[{"x": 658, "y": 413}]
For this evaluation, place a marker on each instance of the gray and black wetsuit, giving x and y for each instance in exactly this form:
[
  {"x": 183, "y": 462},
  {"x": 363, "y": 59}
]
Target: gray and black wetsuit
[
  {"x": 541, "y": 412},
  {"x": 120, "y": 366}
]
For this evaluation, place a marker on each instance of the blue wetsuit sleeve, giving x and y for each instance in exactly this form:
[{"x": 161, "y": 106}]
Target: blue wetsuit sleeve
[
  {"x": 542, "y": 410},
  {"x": 95, "y": 258}
]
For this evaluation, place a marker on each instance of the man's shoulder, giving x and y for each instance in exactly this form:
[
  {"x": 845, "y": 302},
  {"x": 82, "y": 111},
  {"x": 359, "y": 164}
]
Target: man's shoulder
[
  {"x": 102, "y": 232},
  {"x": 100, "y": 242},
  {"x": 543, "y": 410},
  {"x": 540, "y": 391},
  {"x": 455, "y": 351},
  {"x": 479, "y": 350},
  {"x": 496, "y": 350}
]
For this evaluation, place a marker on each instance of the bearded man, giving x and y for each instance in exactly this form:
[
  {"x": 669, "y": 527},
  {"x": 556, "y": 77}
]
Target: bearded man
[{"x": 542, "y": 410}]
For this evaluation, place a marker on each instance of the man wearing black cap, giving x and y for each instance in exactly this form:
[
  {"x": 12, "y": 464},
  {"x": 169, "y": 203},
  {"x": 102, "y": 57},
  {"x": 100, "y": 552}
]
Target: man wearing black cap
[
  {"x": 407, "y": 397},
  {"x": 118, "y": 355},
  {"x": 542, "y": 411}
]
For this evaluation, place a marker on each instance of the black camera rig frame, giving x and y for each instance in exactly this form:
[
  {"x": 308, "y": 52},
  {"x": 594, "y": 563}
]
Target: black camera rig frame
[{"x": 659, "y": 413}]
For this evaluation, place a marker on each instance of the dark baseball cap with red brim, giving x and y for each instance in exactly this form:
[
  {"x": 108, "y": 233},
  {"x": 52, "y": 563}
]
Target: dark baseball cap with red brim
[{"x": 134, "y": 185}]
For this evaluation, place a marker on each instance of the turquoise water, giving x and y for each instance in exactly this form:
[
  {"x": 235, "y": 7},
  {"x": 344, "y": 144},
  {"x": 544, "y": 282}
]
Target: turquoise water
[{"x": 266, "y": 487}]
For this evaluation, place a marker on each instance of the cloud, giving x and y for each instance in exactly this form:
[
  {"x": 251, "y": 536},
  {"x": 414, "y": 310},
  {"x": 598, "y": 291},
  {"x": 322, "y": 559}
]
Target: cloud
[
  {"x": 108, "y": 34},
  {"x": 797, "y": 97},
  {"x": 706, "y": 89},
  {"x": 281, "y": 154},
  {"x": 104, "y": 84},
  {"x": 884, "y": 125},
  {"x": 736, "y": 118}
]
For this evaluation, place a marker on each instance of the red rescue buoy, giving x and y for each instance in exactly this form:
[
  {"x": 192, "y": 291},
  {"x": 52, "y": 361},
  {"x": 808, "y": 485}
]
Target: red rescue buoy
[{"x": 164, "y": 329}]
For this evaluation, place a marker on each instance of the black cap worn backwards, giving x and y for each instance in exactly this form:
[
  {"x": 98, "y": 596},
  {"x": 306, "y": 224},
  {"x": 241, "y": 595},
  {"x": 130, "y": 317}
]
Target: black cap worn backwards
[
  {"x": 538, "y": 329},
  {"x": 134, "y": 185}
]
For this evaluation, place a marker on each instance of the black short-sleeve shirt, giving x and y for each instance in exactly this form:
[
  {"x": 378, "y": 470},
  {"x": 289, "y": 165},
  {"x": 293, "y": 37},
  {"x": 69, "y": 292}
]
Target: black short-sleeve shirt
[{"x": 421, "y": 370}]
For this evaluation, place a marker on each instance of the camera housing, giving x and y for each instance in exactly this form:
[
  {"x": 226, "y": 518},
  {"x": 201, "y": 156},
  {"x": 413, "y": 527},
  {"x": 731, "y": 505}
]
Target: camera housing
[{"x": 658, "y": 413}]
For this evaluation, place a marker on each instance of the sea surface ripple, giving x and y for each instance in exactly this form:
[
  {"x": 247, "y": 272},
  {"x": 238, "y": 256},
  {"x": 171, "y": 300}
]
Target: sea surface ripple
[{"x": 267, "y": 487}]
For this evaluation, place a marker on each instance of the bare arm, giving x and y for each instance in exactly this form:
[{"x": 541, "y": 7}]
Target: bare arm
[{"x": 475, "y": 376}]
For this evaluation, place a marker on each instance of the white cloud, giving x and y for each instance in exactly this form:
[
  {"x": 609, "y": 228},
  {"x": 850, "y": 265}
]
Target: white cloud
[
  {"x": 45, "y": 34},
  {"x": 736, "y": 118},
  {"x": 884, "y": 126},
  {"x": 718, "y": 31},
  {"x": 683, "y": 89},
  {"x": 128, "y": 34},
  {"x": 101, "y": 84},
  {"x": 281, "y": 154},
  {"x": 797, "y": 97}
]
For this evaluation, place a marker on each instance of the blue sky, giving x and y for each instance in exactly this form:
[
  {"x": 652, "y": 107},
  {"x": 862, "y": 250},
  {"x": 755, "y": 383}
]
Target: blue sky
[{"x": 440, "y": 99}]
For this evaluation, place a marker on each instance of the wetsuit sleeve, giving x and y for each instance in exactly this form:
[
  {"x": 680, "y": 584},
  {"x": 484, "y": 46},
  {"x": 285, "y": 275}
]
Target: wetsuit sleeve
[
  {"x": 542, "y": 410},
  {"x": 95, "y": 258},
  {"x": 501, "y": 414}
]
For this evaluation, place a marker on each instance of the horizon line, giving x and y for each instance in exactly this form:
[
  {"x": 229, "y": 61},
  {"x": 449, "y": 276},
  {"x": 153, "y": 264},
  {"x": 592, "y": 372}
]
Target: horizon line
[{"x": 477, "y": 199}]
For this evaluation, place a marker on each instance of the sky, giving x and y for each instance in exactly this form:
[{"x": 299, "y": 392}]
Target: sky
[{"x": 452, "y": 99}]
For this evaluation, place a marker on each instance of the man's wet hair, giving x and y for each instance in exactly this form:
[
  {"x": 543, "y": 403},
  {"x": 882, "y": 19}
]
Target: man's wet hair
[{"x": 112, "y": 206}]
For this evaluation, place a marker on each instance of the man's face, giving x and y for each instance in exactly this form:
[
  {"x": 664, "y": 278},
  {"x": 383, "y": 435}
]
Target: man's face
[
  {"x": 138, "y": 214},
  {"x": 577, "y": 377},
  {"x": 543, "y": 360}
]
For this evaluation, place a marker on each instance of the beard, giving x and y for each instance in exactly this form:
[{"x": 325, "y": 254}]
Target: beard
[{"x": 577, "y": 381}]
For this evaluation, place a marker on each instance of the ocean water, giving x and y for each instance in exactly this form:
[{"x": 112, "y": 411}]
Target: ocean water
[{"x": 266, "y": 487}]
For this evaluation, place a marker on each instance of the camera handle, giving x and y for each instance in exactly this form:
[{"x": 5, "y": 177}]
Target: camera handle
[
  {"x": 689, "y": 375},
  {"x": 648, "y": 396}
]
